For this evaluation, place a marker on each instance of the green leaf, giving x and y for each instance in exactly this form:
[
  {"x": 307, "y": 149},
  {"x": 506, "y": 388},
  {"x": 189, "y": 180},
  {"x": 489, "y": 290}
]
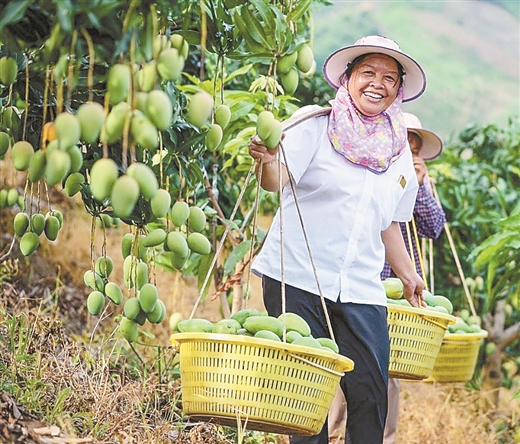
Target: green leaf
[
  {"x": 302, "y": 6},
  {"x": 14, "y": 12},
  {"x": 236, "y": 256},
  {"x": 65, "y": 15}
]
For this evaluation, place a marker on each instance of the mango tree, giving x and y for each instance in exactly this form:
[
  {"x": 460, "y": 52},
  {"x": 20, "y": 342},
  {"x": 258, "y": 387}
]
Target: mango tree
[
  {"x": 478, "y": 180},
  {"x": 145, "y": 110}
]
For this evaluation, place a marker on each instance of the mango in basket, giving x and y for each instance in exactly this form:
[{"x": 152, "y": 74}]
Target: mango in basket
[
  {"x": 291, "y": 336},
  {"x": 308, "y": 341},
  {"x": 329, "y": 343},
  {"x": 294, "y": 322},
  {"x": 266, "y": 334},
  {"x": 242, "y": 315},
  {"x": 196, "y": 325},
  {"x": 256, "y": 323},
  {"x": 428, "y": 298},
  {"x": 443, "y": 301},
  {"x": 393, "y": 287},
  {"x": 227, "y": 326}
]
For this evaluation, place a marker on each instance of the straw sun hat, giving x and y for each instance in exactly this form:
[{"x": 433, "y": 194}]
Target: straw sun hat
[
  {"x": 431, "y": 143},
  {"x": 336, "y": 63}
]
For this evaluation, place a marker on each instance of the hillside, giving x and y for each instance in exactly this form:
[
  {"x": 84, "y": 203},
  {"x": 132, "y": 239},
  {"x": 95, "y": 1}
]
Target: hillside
[{"x": 469, "y": 50}]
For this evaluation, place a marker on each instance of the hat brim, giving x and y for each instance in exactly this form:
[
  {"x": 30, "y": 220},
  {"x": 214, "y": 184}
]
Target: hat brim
[
  {"x": 336, "y": 64},
  {"x": 431, "y": 143}
]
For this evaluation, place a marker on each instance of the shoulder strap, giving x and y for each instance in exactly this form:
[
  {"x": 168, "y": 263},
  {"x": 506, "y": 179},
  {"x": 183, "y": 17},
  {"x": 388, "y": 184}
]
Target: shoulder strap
[{"x": 301, "y": 117}]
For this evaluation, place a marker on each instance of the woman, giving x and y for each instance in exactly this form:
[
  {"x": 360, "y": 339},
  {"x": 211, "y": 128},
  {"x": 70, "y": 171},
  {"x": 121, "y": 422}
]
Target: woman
[{"x": 354, "y": 180}]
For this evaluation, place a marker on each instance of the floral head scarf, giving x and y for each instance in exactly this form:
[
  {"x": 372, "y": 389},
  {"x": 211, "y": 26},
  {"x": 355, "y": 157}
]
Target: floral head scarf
[{"x": 373, "y": 142}]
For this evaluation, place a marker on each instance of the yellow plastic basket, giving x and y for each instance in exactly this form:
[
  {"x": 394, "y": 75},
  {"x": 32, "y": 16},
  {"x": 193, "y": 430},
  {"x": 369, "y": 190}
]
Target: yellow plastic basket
[
  {"x": 266, "y": 385},
  {"x": 458, "y": 357},
  {"x": 416, "y": 336}
]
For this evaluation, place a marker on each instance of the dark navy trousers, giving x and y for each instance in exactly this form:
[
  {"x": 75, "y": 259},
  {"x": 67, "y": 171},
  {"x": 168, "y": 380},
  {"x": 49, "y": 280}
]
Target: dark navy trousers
[{"x": 362, "y": 335}]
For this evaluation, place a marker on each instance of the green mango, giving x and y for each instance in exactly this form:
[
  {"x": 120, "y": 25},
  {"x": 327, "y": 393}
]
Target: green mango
[
  {"x": 295, "y": 322},
  {"x": 21, "y": 153},
  {"x": 179, "y": 213},
  {"x": 91, "y": 117},
  {"x": 196, "y": 219},
  {"x": 195, "y": 325},
  {"x": 160, "y": 203},
  {"x": 267, "y": 334},
  {"x": 254, "y": 324},
  {"x": 52, "y": 227},
  {"x": 198, "y": 243},
  {"x": 124, "y": 195},
  {"x": 29, "y": 243},
  {"x": 20, "y": 223},
  {"x": 148, "y": 296},
  {"x": 145, "y": 177},
  {"x": 68, "y": 129},
  {"x": 95, "y": 303},
  {"x": 129, "y": 329},
  {"x": 57, "y": 166},
  {"x": 159, "y": 109},
  {"x": 114, "y": 293}
]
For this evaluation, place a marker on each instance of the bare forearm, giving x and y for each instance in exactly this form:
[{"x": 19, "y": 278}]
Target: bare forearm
[{"x": 269, "y": 175}]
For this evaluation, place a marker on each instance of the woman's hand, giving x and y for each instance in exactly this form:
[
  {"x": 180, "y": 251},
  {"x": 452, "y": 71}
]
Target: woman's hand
[
  {"x": 259, "y": 152},
  {"x": 420, "y": 168}
]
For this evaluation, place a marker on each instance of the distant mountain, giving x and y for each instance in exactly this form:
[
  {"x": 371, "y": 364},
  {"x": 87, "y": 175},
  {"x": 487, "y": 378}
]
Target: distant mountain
[{"x": 470, "y": 51}]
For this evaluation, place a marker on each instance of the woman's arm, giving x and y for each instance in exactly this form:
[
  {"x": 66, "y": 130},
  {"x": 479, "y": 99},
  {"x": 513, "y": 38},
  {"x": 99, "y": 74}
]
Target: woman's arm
[{"x": 402, "y": 266}]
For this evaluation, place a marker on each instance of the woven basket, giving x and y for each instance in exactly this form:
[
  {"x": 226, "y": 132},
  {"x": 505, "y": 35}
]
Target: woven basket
[
  {"x": 266, "y": 385},
  {"x": 458, "y": 357},
  {"x": 416, "y": 336}
]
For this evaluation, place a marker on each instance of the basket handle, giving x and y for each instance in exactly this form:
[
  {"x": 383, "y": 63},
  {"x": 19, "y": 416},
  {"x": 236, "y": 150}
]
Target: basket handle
[
  {"x": 425, "y": 316},
  {"x": 307, "y": 361}
]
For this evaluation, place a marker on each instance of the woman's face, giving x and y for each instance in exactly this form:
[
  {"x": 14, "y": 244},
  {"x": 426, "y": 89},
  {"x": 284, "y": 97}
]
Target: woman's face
[{"x": 374, "y": 83}]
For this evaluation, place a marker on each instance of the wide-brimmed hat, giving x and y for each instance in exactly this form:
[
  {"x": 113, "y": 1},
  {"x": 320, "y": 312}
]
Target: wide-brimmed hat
[
  {"x": 336, "y": 64},
  {"x": 431, "y": 143}
]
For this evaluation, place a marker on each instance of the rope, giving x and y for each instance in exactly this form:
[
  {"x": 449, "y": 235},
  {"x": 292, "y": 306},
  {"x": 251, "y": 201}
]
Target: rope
[{"x": 456, "y": 257}]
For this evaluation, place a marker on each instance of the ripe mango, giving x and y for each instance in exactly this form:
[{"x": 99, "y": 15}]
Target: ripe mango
[
  {"x": 119, "y": 80},
  {"x": 129, "y": 329},
  {"x": 179, "y": 213},
  {"x": 155, "y": 237},
  {"x": 290, "y": 81},
  {"x": 20, "y": 223},
  {"x": 222, "y": 115},
  {"x": 21, "y": 153},
  {"x": 286, "y": 62},
  {"x": 159, "y": 109},
  {"x": 160, "y": 203},
  {"x": 254, "y": 324},
  {"x": 145, "y": 177},
  {"x": 76, "y": 158},
  {"x": 8, "y": 70},
  {"x": 177, "y": 243},
  {"x": 103, "y": 175},
  {"x": 241, "y": 315},
  {"x": 132, "y": 308},
  {"x": 275, "y": 136},
  {"x": 393, "y": 287},
  {"x": 195, "y": 325},
  {"x": 305, "y": 58},
  {"x": 267, "y": 334},
  {"x": 198, "y": 243},
  {"x": 114, "y": 292},
  {"x": 227, "y": 326},
  {"x": 307, "y": 341},
  {"x": 29, "y": 243},
  {"x": 148, "y": 296},
  {"x": 199, "y": 108},
  {"x": 37, "y": 223},
  {"x": 91, "y": 117},
  {"x": 144, "y": 131},
  {"x": 68, "y": 129},
  {"x": 264, "y": 124},
  {"x": 157, "y": 315},
  {"x": 124, "y": 196},
  {"x": 196, "y": 219},
  {"x": 146, "y": 77},
  {"x": 12, "y": 197},
  {"x": 170, "y": 64},
  {"x": 36, "y": 169},
  {"x": 5, "y": 142},
  {"x": 57, "y": 166},
  {"x": 104, "y": 265},
  {"x": 174, "y": 319},
  {"x": 74, "y": 183},
  {"x": 214, "y": 136},
  {"x": 329, "y": 343},
  {"x": 52, "y": 227},
  {"x": 179, "y": 42},
  {"x": 115, "y": 122},
  {"x": 95, "y": 303},
  {"x": 177, "y": 261},
  {"x": 294, "y": 322}
]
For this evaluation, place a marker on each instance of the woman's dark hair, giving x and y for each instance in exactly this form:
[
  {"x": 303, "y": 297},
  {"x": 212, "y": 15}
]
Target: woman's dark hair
[{"x": 351, "y": 65}]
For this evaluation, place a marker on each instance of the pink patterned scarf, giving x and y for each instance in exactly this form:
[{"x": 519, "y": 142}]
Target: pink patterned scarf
[{"x": 372, "y": 142}]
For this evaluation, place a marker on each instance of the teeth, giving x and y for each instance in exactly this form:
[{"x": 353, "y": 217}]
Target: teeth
[{"x": 373, "y": 95}]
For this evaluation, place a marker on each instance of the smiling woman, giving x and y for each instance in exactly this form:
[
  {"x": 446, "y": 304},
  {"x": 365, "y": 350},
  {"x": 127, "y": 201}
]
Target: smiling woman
[{"x": 353, "y": 167}]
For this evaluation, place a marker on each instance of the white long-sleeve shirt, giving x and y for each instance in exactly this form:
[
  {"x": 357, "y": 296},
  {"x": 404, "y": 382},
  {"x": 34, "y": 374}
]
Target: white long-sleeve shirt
[{"x": 344, "y": 209}]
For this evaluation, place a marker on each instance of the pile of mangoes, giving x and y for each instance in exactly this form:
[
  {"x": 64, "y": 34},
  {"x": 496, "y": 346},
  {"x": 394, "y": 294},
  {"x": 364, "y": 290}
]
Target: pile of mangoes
[
  {"x": 394, "y": 290},
  {"x": 465, "y": 323},
  {"x": 251, "y": 322}
]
